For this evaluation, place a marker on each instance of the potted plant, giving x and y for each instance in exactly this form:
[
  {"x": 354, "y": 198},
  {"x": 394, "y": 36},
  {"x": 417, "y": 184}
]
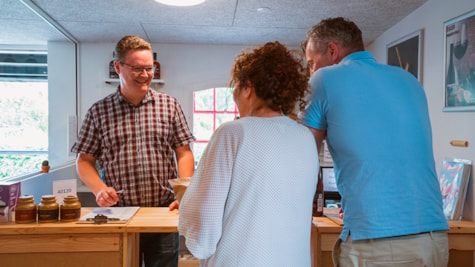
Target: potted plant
[{"x": 45, "y": 166}]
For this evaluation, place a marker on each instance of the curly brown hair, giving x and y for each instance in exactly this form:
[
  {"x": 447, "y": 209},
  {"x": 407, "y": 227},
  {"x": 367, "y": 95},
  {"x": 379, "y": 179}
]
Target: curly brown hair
[
  {"x": 338, "y": 30},
  {"x": 276, "y": 73},
  {"x": 128, "y": 43}
]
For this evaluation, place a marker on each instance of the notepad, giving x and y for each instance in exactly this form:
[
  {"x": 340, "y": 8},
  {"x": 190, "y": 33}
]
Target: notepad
[{"x": 123, "y": 214}]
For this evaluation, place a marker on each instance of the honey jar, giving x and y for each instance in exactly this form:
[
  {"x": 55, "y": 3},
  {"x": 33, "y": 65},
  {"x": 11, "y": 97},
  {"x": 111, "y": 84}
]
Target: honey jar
[
  {"x": 25, "y": 210},
  {"x": 48, "y": 209},
  {"x": 70, "y": 209}
]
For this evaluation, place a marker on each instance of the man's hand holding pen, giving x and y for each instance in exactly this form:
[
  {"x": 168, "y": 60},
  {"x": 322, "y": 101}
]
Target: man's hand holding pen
[{"x": 108, "y": 197}]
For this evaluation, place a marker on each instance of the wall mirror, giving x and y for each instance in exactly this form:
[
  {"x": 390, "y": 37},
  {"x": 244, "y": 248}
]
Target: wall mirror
[{"x": 38, "y": 91}]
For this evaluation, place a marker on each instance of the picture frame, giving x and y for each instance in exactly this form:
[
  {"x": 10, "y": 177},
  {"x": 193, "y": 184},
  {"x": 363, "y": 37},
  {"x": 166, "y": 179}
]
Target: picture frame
[
  {"x": 406, "y": 53},
  {"x": 459, "y": 63}
]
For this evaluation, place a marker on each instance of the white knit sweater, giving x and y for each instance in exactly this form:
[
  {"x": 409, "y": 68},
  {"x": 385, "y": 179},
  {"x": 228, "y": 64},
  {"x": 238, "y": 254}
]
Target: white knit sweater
[{"x": 250, "y": 200}]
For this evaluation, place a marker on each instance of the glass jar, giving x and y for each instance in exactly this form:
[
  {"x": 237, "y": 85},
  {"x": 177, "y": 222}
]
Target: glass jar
[
  {"x": 70, "y": 209},
  {"x": 48, "y": 209},
  {"x": 25, "y": 210}
]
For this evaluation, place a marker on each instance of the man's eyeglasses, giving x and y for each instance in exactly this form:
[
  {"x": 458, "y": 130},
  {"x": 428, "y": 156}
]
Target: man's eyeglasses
[{"x": 138, "y": 70}]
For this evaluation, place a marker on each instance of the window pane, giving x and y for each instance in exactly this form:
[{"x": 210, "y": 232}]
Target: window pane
[
  {"x": 24, "y": 120},
  {"x": 204, "y": 100},
  {"x": 23, "y": 127},
  {"x": 198, "y": 149},
  {"x": 221, "y": 118},
  {"x": 18, "y": 164},
  {"x": 224, "y": 99},
  {"x": 207, "y": 118},
  {"x": 203, "y": 126}
]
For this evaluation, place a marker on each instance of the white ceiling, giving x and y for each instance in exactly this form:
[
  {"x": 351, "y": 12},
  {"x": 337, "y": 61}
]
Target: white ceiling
[{"x": 213, "y": 22}]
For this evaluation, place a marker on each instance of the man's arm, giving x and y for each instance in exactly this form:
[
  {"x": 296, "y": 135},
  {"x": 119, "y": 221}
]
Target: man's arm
[
  {"x": 86, "y": 168},
  {"x": 319, "y": 136},
  {"x": 186, "y": 166},
  {"x": 185, "y": 161}
]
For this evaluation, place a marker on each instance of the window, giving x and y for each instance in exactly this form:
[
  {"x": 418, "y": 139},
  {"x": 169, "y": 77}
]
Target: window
[
  {"x": 24, "y": 109},
  {"x": 211, "y": 108}
]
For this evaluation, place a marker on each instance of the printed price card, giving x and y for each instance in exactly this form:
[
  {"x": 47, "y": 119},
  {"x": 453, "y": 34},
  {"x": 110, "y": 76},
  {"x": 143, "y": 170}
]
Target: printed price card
[{"x": 62, "y": 188}]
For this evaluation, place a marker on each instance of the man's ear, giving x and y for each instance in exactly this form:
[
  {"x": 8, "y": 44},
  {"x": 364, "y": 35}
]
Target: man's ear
[
  {"x": 116, "y": 66},
  {"x": 334, "y": 52}
]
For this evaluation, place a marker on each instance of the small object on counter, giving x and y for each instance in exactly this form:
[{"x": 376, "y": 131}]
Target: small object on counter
[
  {"x": 462, "y": 143},
  {"x": 179, "y": 186},
  {"x": 48, "y": 209},
  {"x": 9, "y": 194},
  {"x": 25, "y": 210},
  {"x": 45, "y": 166},
  {"x": 70, "y": 210},
  {"x": 101, "y": 218}
]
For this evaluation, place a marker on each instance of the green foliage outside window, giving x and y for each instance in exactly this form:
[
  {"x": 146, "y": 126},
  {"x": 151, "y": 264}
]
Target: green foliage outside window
[{"x": 23, "y": 127}]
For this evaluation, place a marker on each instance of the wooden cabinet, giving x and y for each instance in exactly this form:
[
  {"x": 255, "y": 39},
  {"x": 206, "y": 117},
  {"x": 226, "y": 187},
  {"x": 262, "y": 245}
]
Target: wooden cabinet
[
  {"x": 63, "y": 244},
  {"x": 461, "y": 242},
  {"x": 70, "y": 244}
]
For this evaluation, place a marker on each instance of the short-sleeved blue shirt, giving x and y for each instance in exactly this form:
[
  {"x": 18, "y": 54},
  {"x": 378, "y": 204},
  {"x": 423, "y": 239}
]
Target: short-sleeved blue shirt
[{"x": 379, "y": 135}]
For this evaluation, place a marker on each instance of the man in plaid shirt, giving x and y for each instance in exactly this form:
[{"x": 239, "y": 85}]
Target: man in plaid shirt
[{"x": 138, "y": 137}]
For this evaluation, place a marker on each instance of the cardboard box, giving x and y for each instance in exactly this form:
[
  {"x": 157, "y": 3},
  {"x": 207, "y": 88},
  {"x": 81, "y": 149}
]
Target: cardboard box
[{"x": 9, "y": 194}]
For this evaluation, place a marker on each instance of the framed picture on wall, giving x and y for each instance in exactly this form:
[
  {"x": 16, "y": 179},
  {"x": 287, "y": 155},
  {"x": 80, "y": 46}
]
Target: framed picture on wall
[
  {"x": 459, "y": 62},
  {"x": 406, "y": 53}
]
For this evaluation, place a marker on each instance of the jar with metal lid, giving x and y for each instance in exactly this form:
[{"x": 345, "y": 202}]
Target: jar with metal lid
[
  {"x": 48, "y": 209},
  {"x": 25, "y": 210},
  {"x": 70, "y": 209}
]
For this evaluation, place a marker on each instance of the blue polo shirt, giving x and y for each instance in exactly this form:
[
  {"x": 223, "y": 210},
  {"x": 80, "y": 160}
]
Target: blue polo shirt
[{"x": 379, "y": 135}]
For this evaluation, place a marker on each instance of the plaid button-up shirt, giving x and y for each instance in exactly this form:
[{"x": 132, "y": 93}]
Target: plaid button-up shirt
[{"x": 135, "y": 145}]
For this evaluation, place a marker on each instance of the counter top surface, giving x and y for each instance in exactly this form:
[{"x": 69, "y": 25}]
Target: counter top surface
[
  {"x": 13, "y": 228},
  {"x": 145, "y": 220},
  {"x": 154, "y": 220},
  {"x": 324, "y": 224}
]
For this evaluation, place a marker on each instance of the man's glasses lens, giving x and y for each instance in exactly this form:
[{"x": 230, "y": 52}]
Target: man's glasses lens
[{"x": 139, "y": 70}]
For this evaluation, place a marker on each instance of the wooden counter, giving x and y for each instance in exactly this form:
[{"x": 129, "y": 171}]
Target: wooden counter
[
  {"x": 149, "y": 220},
  {"x": 63, "y": 244},
  {"x": 154, "y": 220},
  {"x": 71, "y": 244},
  {"x": 461, "y": 242}
]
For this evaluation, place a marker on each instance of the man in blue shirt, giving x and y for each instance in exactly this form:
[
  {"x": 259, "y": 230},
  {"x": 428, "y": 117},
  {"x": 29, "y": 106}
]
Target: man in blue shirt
[{"x": 376, "y": 123}]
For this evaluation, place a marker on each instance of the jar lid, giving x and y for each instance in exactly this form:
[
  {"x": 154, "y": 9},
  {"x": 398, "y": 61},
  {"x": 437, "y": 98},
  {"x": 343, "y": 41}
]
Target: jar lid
[
  {"x": 70, "y": 198},
  {"x": 26, "y": 198}
]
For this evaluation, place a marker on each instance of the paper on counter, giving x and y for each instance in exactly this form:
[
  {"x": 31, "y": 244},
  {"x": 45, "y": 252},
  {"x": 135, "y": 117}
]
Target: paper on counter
[{"x": 121, "y": 213}]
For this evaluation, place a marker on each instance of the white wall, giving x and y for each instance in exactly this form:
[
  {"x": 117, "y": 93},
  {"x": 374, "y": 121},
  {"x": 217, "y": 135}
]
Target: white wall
[
  {"x": 446, "y": 126},
  {"x": 61, "y": 100}
]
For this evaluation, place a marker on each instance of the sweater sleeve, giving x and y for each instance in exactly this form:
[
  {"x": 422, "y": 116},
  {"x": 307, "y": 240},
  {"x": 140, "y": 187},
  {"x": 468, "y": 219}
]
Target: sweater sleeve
[{"x": 202, "y": 206}]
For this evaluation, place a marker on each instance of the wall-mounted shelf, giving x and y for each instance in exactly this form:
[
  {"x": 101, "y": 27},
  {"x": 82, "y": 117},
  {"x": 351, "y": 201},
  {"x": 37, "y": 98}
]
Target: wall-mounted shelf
[{"x": 116, "y": 81}]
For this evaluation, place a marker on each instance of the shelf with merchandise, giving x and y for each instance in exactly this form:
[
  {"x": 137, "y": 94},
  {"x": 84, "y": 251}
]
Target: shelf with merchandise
[{"x": 116, "y": 81}]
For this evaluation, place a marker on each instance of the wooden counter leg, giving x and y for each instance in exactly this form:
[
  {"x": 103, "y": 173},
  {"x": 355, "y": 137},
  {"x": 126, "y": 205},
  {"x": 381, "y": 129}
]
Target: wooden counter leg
[
  {"x": 133, "y": 249},
  {"x": 314, "y": 246}
]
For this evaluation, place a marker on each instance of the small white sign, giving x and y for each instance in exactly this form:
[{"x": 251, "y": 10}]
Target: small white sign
[
  {"x": 327, "y": 157},
  {"x": 63, "y": 188}
]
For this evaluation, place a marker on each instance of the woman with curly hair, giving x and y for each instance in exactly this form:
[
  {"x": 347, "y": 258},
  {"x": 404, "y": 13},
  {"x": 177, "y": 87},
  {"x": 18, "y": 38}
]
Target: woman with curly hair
[{"x": 249, "y": 202}]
